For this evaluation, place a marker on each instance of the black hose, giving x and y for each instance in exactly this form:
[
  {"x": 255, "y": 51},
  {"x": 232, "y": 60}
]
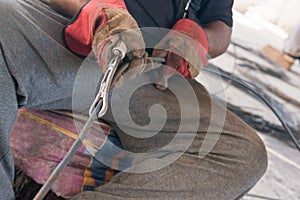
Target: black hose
[{"x": 260, "y": 94}]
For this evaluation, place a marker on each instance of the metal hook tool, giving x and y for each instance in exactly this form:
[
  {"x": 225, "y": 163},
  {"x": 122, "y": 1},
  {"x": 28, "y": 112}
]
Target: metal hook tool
[{"x": 119, "y": 53}]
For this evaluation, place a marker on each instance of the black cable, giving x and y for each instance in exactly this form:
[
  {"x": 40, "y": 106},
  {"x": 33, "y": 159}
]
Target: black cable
[{"x": 259, "y": 93}]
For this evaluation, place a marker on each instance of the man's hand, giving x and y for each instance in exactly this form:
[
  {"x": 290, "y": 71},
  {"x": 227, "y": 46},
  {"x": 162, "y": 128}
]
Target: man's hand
[
  {"x": 66, "y": 7},
  {"x": 99, "y": 26},
  {"x": 185, "y": 49}
]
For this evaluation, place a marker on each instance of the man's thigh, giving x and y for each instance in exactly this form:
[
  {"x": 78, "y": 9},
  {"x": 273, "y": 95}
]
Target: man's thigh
[
  {"x": 43, "y": 69},
  {"x": 214, "y": 161}
]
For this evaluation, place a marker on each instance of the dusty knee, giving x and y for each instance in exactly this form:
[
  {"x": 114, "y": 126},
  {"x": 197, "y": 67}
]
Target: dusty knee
[
  {"x": 242, "y": 151},
  {"x": 253, "y": 157},
  {"x": 250, "y": 149},
  {"x": 257, "y": 156}
]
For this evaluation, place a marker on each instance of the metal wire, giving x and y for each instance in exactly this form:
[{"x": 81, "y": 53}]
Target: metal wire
[{"x": 54, "y": 175}]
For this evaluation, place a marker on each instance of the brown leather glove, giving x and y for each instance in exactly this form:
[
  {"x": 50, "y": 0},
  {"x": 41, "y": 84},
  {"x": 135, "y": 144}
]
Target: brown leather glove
[
  {"x": 99, "y": 26},
  {"x": 185, "y": 48}
]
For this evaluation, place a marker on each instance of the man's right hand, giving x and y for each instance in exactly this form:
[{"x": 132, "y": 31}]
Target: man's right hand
[{"x": 99, "y": 26}]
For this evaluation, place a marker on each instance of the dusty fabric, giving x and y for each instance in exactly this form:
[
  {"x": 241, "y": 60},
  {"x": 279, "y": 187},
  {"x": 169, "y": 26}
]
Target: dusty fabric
[
  {"x": 7, "y": 118},
  {"x": 66, "y": 7},
  {"x": 34, "y": 67},
  {"x": 41, "y": 139},
  {"x": 38, "y": 72},
  {"x": 233, "y": 166}
]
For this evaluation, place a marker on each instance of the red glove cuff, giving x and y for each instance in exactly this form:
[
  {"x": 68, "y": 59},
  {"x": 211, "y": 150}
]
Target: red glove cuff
[
  {"x": 196, "y": 32},
  {"x": 193, "y": 30},
  {"x": 78, "y": 34}
]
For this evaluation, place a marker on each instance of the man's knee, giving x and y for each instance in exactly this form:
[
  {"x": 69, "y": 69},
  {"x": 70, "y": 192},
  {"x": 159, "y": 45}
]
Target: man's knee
[
  {"x": 243, "y": 152},
  {"x": 253, "y": 156},
  {"x": 258, "y": 154}
]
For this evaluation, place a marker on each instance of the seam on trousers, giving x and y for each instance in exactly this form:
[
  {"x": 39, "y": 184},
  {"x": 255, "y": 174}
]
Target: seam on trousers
[
  {"x": 3, "y": 55},
  {"x": 2, "y": 158},
  {"x": 20, "y": 98}
]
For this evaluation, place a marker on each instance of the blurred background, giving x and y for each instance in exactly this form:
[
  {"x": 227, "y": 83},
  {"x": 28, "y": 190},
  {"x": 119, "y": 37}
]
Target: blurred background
[{"x": 255, "y": 57}]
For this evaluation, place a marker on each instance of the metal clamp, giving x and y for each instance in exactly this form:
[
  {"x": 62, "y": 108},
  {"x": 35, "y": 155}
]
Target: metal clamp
[{"x": 102, "y": 97}]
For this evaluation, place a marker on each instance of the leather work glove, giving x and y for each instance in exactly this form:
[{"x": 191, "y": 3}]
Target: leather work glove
[
  {"x": 185, "y": 48},
  {"x": 95, "y": 26}
]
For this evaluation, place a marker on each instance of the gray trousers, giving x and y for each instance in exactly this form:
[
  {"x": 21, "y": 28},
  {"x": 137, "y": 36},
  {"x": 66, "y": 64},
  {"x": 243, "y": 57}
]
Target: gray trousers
[{"x": 38, "y": 72}]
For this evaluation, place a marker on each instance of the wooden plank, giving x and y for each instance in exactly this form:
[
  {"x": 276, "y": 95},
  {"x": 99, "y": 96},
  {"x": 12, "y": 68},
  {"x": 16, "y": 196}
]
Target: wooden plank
[{"x": 278, "y": 57}]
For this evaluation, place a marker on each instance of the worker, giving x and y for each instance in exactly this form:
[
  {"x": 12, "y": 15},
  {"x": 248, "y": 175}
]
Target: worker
[{"x": 38, "y": 68}]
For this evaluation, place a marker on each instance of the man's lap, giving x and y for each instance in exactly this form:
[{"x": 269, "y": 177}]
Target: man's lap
[{"x": 234, "y": 164}]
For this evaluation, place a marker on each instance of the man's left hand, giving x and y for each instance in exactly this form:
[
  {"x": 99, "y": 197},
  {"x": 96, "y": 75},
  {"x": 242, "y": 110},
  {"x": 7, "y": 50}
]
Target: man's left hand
[{"x": 185, "y": 48}]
